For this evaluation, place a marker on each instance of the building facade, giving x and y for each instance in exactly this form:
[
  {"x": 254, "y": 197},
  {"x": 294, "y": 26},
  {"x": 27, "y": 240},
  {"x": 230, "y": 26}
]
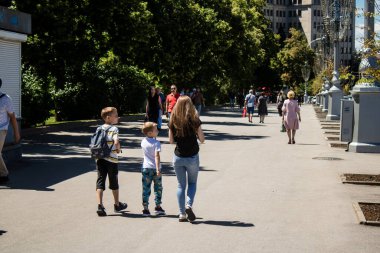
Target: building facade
[{"x": 306, "y": 15}]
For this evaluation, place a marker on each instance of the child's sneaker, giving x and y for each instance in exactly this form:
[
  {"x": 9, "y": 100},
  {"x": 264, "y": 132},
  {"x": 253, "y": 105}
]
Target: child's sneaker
[
  {"x": 182, "y": 217},
  {"x": 101, "y": 211},
  {"x": 120, "y": 207},
  {"x": 190, "y": 215},
  {"x": 146, "y": 212},
  {"x": 159, "y": 211}
]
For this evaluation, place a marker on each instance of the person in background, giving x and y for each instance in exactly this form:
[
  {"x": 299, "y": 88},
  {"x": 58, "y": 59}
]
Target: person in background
[
  {"x": 7, "y": 115},
  {"x": 171, "y": 100},
  {"x": 161, "y": 110},
  {"x": 153, "y": 106},
  {"x": 240, "y": 99},
  {"x": 198, "y": 100},
  {"x": 231, "y": 96},
  {"x": 262, "y": 107},
  {"x": 250, "y": 104},
  {"x": 290, "y": 111}
]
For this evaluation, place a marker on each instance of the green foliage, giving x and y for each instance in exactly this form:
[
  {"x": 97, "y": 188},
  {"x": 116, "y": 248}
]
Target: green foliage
[
  {"x": 100, "y": 53},
  {"x": 112, "y": 84},
  {"x": 292, "y": 57},
  {"x": 35, "y": 98}
]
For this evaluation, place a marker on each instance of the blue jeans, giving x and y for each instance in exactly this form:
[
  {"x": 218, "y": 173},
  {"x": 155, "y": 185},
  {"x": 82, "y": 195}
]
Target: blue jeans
[
  {"x": 199, "y": 108},
  {"x": 183, "y": 166},
  {"x": 159, "y": 121}
]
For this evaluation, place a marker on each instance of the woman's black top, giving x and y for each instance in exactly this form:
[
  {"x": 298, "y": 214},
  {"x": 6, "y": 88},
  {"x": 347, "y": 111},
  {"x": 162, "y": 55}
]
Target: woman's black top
[{"x": 187, "y": 146}]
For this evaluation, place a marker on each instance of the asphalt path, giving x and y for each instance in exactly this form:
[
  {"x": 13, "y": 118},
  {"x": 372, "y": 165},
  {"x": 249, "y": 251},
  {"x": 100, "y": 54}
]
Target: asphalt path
[{"x": 256, "y": 193}]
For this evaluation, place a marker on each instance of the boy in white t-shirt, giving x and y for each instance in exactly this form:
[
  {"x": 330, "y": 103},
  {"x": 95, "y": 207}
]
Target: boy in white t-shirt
[{"x": 151, "y": 169}]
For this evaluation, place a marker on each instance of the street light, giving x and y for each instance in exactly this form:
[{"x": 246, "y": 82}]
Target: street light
[{"x": 305, "y": 69}]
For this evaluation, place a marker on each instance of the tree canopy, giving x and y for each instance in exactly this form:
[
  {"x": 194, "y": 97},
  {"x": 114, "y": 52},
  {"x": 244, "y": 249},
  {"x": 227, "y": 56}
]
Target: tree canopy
[
  {"x": 291, "y": 58},
  {"x": 81, "y": 51}
]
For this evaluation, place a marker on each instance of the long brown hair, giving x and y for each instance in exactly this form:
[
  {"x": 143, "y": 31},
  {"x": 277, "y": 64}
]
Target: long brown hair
[{"x": 184, "y": 118}]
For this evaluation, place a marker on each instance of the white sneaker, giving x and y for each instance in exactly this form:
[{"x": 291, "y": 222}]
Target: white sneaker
[{"x": 182, "y": 217}]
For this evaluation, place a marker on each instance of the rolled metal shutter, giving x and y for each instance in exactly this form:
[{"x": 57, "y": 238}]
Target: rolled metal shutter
[{"x": 10, "y": 72}]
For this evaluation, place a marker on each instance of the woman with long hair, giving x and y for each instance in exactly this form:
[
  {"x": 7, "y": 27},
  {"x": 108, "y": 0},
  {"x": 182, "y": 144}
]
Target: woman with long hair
[
  {"x": 185, "y": 130},
  {"x": 153, "y": 106},
  {"x": 290, "y": 111}
]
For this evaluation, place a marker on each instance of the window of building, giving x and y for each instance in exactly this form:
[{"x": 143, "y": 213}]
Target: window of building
[
  {"x": 290, "y": 13},
  {"x": 299, "y": 13},
  {"x": 341, "y": 50},
  {"x": 299, "y": 1}
]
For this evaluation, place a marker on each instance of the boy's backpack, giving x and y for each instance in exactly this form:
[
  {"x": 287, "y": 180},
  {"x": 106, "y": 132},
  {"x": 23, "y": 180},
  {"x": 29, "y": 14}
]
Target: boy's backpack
[{"x": 98, "y": 146}]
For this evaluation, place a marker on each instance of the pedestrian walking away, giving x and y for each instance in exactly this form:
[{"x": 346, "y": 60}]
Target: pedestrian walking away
[
  {"x": 290, "y": 111},
  {"x": 262, "y": 107},
  {"x": 184, "y": 130},
  {"x": 250, "y": 104},
  {"x": 108, "y": 166},
  {"x": 198, "y": 100},
  {"x": 7, "y": 115},
  {"x": 151, "y": 168}
]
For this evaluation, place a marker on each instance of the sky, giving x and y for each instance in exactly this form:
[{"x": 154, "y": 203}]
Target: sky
[{"x": 359, "y": 33}]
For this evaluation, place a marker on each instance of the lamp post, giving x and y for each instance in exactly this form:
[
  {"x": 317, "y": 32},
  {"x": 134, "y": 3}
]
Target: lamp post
[
  {"x": 305, "y": 74},
  {"x": 337, "y": 16}
]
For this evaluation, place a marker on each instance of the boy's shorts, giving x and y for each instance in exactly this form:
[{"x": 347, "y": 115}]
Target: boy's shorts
[
  {"x": 250, "y": 110},
  {"x": 105, "y": 168}
]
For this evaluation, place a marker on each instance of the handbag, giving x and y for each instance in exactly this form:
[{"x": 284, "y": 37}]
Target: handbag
[{"x": 244, "y": 112}]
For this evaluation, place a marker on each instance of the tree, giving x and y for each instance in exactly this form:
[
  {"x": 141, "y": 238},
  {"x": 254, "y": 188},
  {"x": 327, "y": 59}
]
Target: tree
[{"x": 292, "y": 57}]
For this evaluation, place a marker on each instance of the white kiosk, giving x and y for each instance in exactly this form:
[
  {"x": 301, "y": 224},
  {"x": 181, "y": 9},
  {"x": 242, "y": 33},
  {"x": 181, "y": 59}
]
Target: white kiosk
[{"x": 14, "y": 27}]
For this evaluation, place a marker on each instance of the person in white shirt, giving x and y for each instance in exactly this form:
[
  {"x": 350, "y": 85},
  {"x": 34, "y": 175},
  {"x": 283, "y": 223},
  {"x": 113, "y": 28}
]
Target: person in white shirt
[
  {"x": 151, "y": 169},
  {"x": 6, "y": 115},
  {"x": 250, "y": 104}
]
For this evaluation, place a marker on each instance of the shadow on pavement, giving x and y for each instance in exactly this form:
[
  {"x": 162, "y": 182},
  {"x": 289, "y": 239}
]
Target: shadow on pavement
[
  {"x": 139, "y": 215},
  {"x": 41, "y": 173},
  {"x": 2, "y": 232},
  {"x": 224, "y": 223},
  {"x": 218, "y": 136},
  {"x": 230, "y": 123},
  {"x": 51, "y": 158}
]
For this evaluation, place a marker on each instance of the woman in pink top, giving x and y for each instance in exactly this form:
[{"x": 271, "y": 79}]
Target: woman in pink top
[{"x": 290, "y": 111}]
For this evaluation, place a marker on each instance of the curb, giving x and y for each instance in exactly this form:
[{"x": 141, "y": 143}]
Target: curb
[
  {"x": 345, "y": 181},
  {"x": 360, "y": 215}
]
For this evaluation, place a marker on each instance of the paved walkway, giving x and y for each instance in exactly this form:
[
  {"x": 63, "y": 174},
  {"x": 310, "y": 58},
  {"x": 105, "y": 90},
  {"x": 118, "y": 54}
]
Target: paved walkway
[{"x": 256, "y": 193}]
